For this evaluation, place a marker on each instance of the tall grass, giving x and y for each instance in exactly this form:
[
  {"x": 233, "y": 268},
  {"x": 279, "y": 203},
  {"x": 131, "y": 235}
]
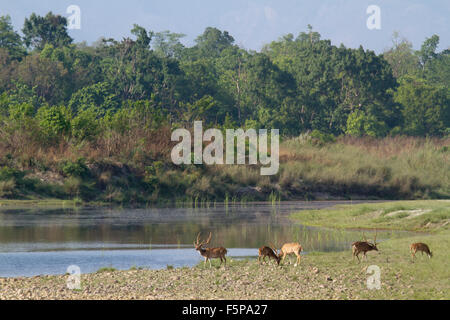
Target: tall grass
[{"x": 135, "y": 166}]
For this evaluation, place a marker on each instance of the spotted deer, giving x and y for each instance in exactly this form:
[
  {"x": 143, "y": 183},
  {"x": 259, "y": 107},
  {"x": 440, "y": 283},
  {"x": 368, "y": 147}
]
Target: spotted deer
[
  {"x": 364, "y": 247},
  {"x": 419, "y": 246},
  {"x": 291, "y": 248},
  {"x": 210, "y": 253},
  {"x": 272, "y": 253}
]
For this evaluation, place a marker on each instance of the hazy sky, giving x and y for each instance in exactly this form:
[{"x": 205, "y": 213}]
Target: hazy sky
[{"x": 251, "y": 23}]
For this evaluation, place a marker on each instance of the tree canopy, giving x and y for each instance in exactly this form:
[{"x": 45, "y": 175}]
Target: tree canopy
[{"x": 295, "y": 84}]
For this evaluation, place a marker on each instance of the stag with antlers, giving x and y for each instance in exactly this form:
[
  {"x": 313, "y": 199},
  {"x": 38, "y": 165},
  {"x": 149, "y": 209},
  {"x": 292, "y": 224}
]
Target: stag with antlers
[
  {"x": 210, "y": 253},
  {"x": 272, "y": 253},
  {"x": 364, "y": 247}
]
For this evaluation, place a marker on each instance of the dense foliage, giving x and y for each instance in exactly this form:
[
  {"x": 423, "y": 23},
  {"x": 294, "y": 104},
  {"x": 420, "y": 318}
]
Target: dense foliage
[
  {"x": 112, "y": 104},
  {"x": 294, "y": 84}
]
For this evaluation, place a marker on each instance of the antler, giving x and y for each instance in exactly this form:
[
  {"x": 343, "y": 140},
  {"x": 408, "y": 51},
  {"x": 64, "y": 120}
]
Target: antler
[
  {"x": 375, "y": 239},
  {"x": 198, "y": 239},
  {"x": 209, "y": 238},
  {"x": 364, "y": 236}
]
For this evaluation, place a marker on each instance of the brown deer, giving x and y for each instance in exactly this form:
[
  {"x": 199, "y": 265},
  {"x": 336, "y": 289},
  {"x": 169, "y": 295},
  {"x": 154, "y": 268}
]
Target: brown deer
[
  {"x": 291, "y": 248},
  {"x": 265, "y": 251},
  {"x": 210, "y": 253},
  {"x": 364, "y": 247},
  {"x": 419, "y": 246}
]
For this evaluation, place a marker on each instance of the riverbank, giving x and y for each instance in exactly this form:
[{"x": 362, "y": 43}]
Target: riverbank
[
  {"x": 417, "y": 215},
  {"x": 321, "y": 275},
  {"x": 311, "y": 168}
]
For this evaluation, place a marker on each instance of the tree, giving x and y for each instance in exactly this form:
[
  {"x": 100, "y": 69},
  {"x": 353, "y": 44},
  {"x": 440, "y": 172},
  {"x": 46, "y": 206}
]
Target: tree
[
  {"x": 426, "y": 108},
  {"x": 332, "y": 82},
  {"x": 428, "y": 50},
  {"x": 361, "y": 124},
  {"x": 52, "y": 29},
  {"x": 135, "y": 72},
  {"x": 203, "y": 109},
  {"x": 167, "y": 44},
  {"x": 99, "y": 96},
  {"x": 10, "y": 40},
  {"x": 213, "y": 41},
  {"x": 143, "y": 38},
  {"x": 48, "y": 78},
  {"x": 401, "y": 57},
  {"x": 54, "y": 122},
  {"x": 85, "y": 125},
  {"x": 437, "y": 70}
]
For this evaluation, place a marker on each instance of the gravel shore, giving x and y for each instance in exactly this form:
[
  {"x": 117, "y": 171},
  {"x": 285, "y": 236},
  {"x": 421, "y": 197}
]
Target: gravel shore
[
  {"x": 337, "y": 278},
  {"x": 242, "y": 281}
]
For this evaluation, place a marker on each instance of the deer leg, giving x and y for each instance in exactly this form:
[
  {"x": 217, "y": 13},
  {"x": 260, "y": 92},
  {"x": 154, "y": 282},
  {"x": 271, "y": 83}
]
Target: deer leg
[
  {"x": 224, "y": 258},
  {"x": 359, "y": 261},
  {"x": 206, "y": 259}
]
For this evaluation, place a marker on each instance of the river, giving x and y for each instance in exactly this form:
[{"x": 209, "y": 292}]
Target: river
[{"x": 47, "y": 240}]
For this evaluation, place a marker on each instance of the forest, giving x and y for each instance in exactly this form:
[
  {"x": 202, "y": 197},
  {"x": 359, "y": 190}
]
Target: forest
[{"x": 93, "y": 122}]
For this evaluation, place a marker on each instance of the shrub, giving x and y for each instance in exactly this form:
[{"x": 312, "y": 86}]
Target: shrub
[
  {"x": 322, "y": 137},
  {"x": 54, "y": 122},
  {"x": 7, "y": 188},
  {"x": 75, "y": 169},
  {"x": 7, "y": 173}
]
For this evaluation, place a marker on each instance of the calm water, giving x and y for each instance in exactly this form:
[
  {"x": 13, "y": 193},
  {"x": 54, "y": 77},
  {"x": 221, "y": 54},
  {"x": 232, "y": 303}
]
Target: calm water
[{"x": 36, "y": 241}]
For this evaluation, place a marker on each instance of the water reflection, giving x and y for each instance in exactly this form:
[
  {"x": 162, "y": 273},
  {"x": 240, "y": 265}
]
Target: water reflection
[{"x": 35, "y": 239}]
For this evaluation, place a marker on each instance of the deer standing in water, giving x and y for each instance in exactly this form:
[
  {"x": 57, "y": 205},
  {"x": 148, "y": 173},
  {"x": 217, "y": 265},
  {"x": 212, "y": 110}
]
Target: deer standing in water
[
  {"x": 291, "y": 248},
  {"x": 419, "y": 246},
  {"x": 272, "y": 253},
  {"x": 210, "y": 253},
  {"x": 364, "y": 247}
]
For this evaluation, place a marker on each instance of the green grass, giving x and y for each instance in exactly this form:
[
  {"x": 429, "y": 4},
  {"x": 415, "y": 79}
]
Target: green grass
[
  {"x": 401, "y": 278},
  {"x": 106, "y": 269},
  {"x": 419, "y": 215},
  {"x": 41, "y": 202}
]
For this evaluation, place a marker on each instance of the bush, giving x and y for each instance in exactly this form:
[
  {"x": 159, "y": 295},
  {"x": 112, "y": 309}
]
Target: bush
[
  {"x": 75, "y": 169},
  {"x": 7, "y": 188},
  {"x": 7, "y": 173},
  {"x": 54, "y": 122},
  {"x": 322, "y": 137}
]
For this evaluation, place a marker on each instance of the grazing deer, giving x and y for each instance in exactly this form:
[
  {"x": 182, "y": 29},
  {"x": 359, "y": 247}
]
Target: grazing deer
[
  {"x": 364, "y": 247},
  {"x": 272, "y": 253},
  {"x": 210, "y": 253},
  {"x": 291, "y": 248},
  {"x": 419, "y": 246}
]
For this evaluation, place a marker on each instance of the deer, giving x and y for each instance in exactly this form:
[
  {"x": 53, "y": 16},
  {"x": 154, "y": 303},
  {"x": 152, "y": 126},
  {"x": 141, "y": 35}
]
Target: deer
[
  {"x": 291, "y": 248},
  {"x": 364, "y": 247},
  {"x": 210, "y": 253},
  {"x": 419, "y": 246},
  {"x": 272, "y": 253}
]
